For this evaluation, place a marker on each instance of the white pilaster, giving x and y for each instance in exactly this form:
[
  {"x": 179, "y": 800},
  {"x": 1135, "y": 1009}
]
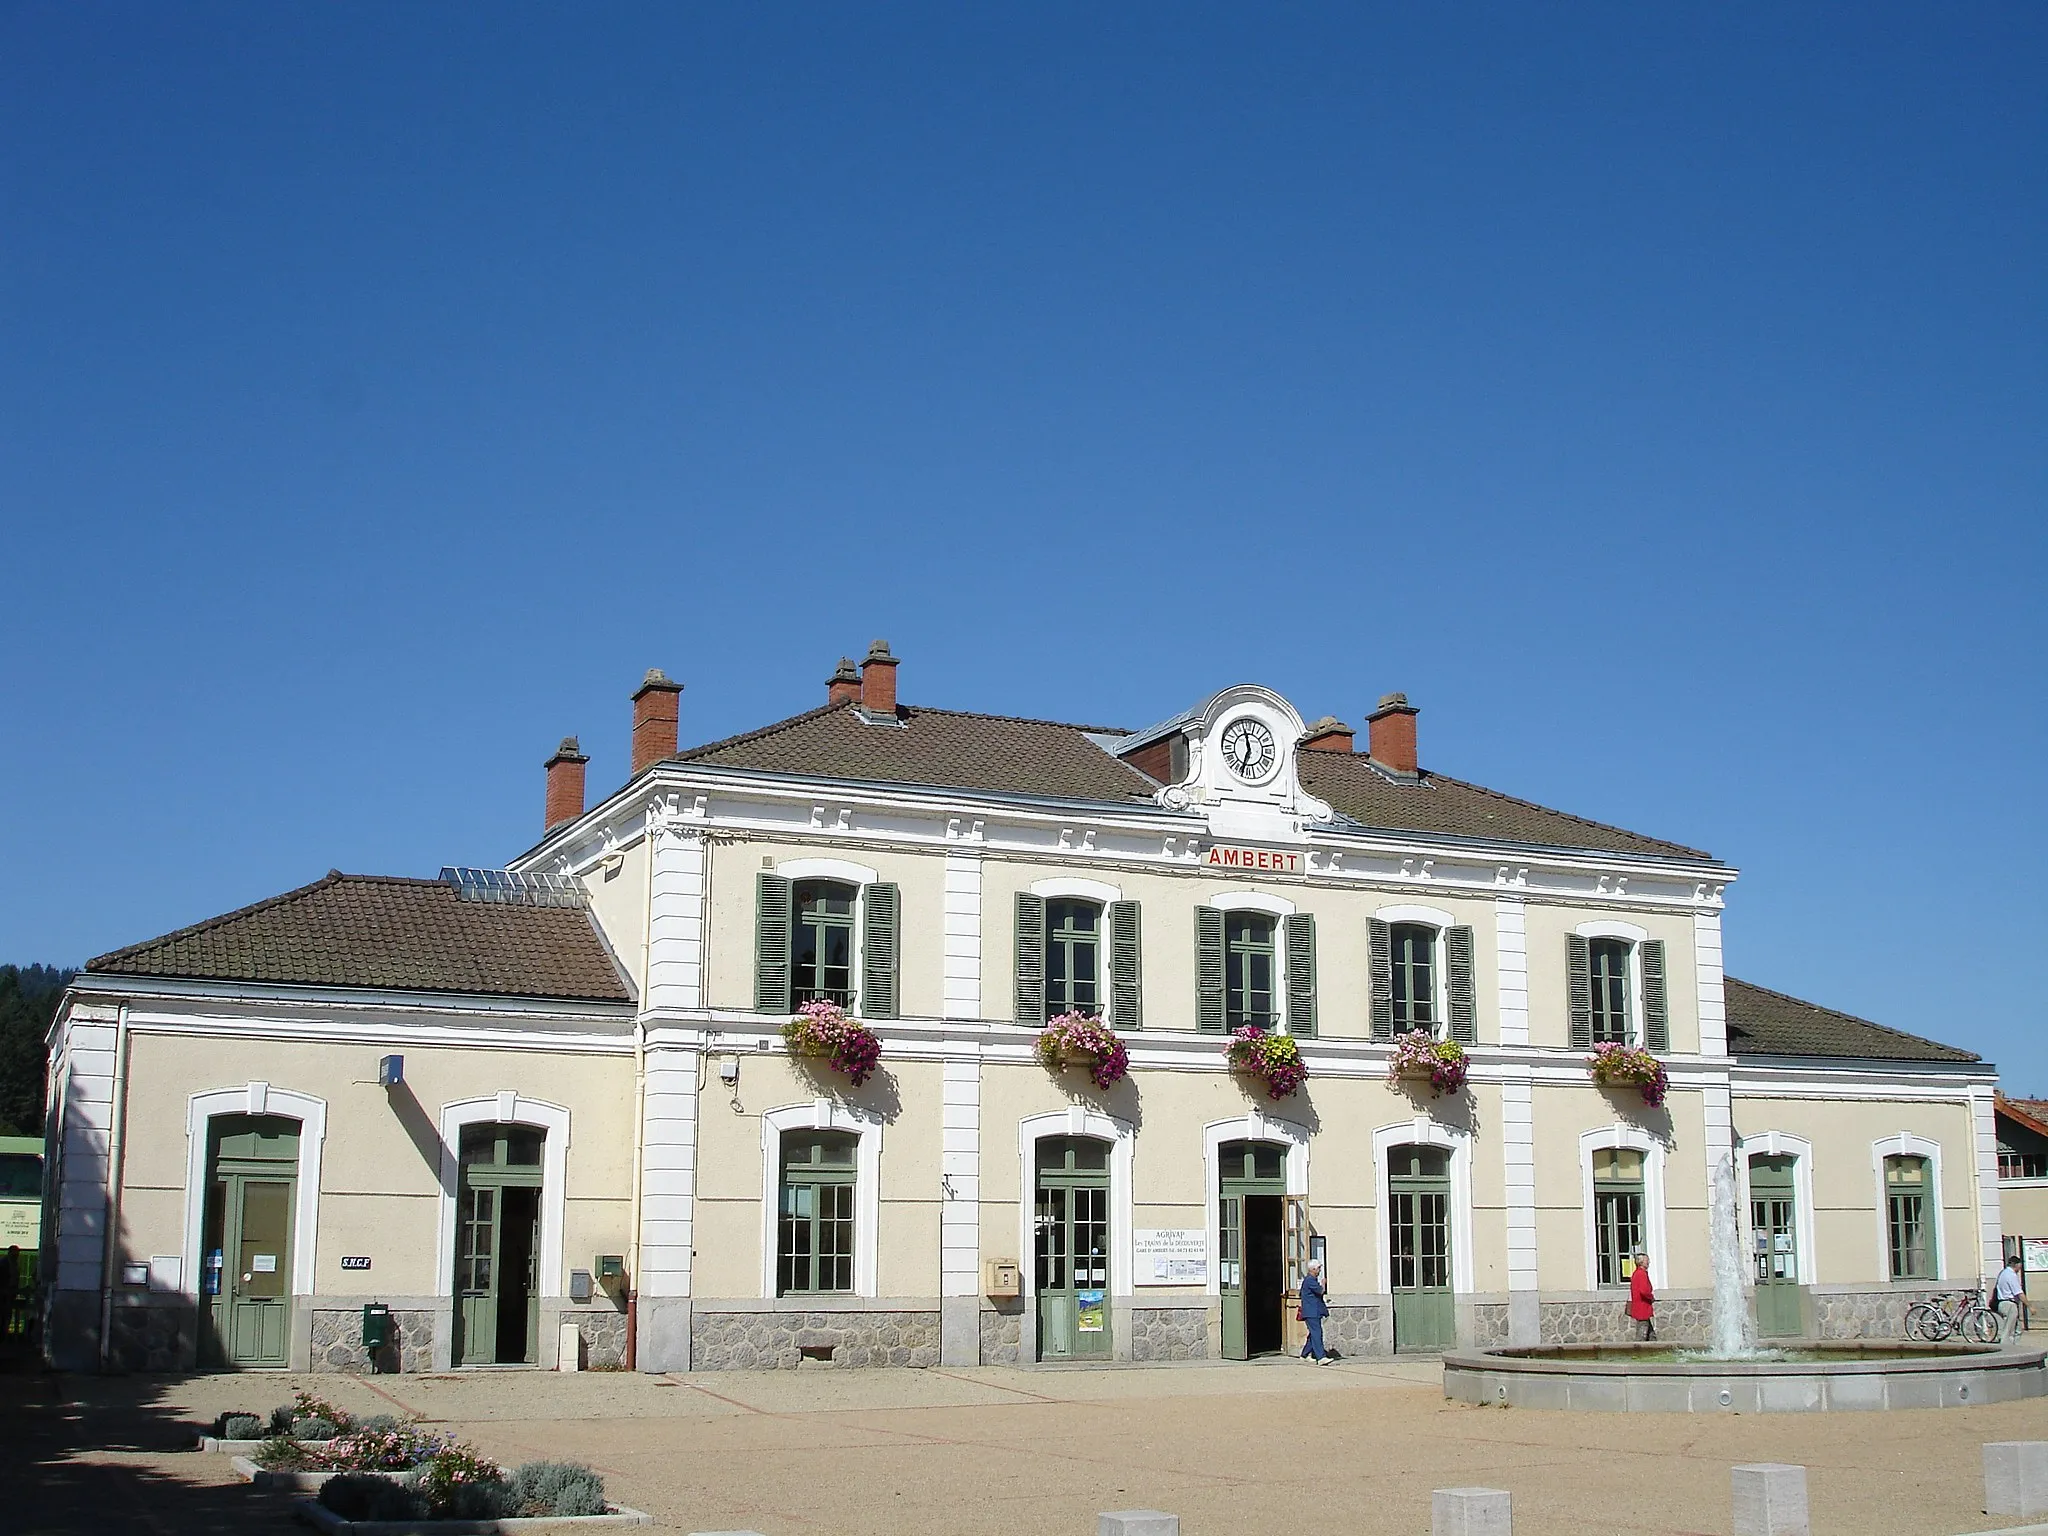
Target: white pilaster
[
  {"x": 1518, "y": 1151},
  {"x": 675, "y": 927},
  {"x": 963, "y": 936},
  {"x": 668, "y": 1189},
  {"x": 1990, "y": 1219},
  {"x": 1511, "y": 966},
  {"x": 1713, "y": 1007},
  {"x": 86, "y": 1121},
  {"x": 960, "y": 1180}
]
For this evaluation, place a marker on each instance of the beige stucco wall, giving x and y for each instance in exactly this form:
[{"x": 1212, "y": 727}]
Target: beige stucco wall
[
  {"x": 2023, "y": 1212},
  {"x": 1847, "y": 1200},
  {"x": 618, "y": 900},
  {"x": 379, "y": 1181},
  {"x": 1563, "y": 1115}
]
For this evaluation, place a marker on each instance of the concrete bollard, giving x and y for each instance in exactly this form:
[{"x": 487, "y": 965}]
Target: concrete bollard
[
  {"x": 2016, "y": 1477},
  {"x": 1470, "y": 1512},
  {"x": 1770, "y": 1500},
  {"x": 1136, "y": 1522}
]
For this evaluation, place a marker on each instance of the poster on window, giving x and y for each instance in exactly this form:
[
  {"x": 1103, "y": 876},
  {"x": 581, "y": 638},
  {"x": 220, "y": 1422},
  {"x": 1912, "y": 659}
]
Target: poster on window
[{"x": 1088, "y": 1311}]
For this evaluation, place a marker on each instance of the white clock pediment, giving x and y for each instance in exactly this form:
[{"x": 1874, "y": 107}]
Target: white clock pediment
[{"x": 1241, "y": 751}]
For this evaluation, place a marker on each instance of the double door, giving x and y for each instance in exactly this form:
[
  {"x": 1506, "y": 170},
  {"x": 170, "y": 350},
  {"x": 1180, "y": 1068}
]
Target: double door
[
  {"x": 246, "y": 1256},
  {"x": 1071, "y": 1262},
  {"x": 1419, "y": 1250},
  {"x": 1773, "y": 1221},
  {"x": 497, "y": 1246}
]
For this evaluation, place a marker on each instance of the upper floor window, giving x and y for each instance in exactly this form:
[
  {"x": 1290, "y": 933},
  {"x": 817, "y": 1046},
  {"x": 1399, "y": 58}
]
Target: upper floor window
[
  {"x": 1609, "y": 959},
  {"x": 1909, "y": 1217},
  {"x": 1249, "y": 965},
  {"x": 1617, "y": 1213},
  {"x": 2015, "y": 1164},
  {"x": 814, "y": 1251},
  {"x": 821, "y": 943},
  {"x": 1073, "y": 931},
  {"x": 1414, "y": 977}
]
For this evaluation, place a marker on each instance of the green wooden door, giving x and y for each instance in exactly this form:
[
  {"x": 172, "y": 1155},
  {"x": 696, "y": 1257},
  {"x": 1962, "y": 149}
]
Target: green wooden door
[
  {"x": 1419, "y": 1249},
  {"x": 1072, "y": 1249},
  {"x": 497, "y": 1245},
  {"x": 246, "y": 1255},
  {"x": 1773, "y": 1217},
  {"x": 1230, "y": 1273},
  {"x": 1252, "y": 1276}
]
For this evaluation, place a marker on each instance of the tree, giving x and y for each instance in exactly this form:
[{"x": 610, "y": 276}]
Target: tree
[{"x": 28, "y": 1002}]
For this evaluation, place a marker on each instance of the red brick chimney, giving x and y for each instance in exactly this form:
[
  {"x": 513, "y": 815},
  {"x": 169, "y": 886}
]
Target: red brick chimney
[
  {"x": 657, "y": 717},
  {"x": 878, "y": 681},
  {"x": 565, "y": 783},
  {"x": 1329, "y": 734},
  {"x": 843, "y": 686},
  {"x": 1392, "y": 733}
]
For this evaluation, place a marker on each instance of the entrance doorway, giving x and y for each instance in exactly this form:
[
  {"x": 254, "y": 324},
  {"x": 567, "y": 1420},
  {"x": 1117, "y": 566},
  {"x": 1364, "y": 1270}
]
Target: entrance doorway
[
  {"x": 1773, "y": 1213},
  {"x": 246, "y": 1251},
  {"x": 497, "y": 1245},
  {"x": 1261, "y": 1238},
  {"x": 1072, "y": 1244},
  {"x": 1419, "y": 1249}
]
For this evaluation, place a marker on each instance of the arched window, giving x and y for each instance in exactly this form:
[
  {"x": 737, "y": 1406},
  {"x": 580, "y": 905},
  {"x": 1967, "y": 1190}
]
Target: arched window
[
  {"x": 1249, "y": 971},
  {"x": 821, "y": 943},
  {"x": 1909, "y": 1217},
  {"x": 814, "y": 1250},
  {"x": 1073, "y": 932},
  {"x": 1618, "y": 1229},
  {"x": 1414, "y": 975}
]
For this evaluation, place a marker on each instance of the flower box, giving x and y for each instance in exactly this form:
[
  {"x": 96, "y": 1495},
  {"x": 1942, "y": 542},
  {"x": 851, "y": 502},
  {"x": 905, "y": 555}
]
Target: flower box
[
  {"x": 1629, "y": 1066},
  {"x": 1272, "y": 1060},
  {"x": 1080, "y": 1040},
  {"x": 823, "y": 1032},
  {"x": 1418, "y": 1057}
]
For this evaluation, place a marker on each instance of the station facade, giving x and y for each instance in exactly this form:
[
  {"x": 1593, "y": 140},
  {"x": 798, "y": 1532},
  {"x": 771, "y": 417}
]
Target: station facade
[{"x": 504, "y": 1101}]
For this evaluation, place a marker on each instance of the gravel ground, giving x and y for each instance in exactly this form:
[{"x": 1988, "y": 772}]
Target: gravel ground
[{"x": 1235, "y": 1450}]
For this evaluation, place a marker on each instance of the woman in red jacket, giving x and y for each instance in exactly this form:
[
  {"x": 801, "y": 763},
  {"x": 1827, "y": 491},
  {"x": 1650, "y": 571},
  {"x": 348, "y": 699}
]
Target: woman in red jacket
[{"x": 1642, "y": 1299}]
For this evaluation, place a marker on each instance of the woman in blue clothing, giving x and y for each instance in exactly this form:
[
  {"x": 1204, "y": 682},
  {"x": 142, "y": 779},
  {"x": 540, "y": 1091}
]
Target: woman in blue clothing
[{"x": 1315, "y": 1307}]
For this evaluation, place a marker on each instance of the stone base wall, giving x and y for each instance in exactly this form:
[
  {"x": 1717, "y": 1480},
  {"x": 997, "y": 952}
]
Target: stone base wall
[
  {"x": 1357, "y": 1330},
  {"x": 604, "y": 1337},
  {"x": 1680, "y": 1320},
  {"x": 1002, "y": 1333},
  {"x": 1489, "y": 1324},
  {"x": 1169, "y": 1333},
  {"x": 761, "y": 1341},
  {"x": 153, "y": 1338},
  {"x": 1872, "y": 1314},
  {"x": 338, "y": 1342}
]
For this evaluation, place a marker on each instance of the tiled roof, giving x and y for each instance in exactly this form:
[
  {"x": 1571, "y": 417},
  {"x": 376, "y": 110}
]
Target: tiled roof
[
  {"x": 2032, "y": 1113},
  {"x": 388, "y": 933},
  {"x": 1433, "y": 803},
  {"x": 943, "y": 748},
  {"x": 1766, "y": 1023},
  {"x": 953, "y": 749}
]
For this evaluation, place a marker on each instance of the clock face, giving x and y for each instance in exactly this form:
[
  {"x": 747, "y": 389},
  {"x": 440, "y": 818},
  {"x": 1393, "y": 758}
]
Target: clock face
[{"x": 1248, "y": 749}]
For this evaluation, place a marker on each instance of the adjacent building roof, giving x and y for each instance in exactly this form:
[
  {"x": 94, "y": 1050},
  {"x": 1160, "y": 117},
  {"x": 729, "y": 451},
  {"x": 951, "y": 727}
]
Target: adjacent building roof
[
  {"x": 997, "y": 754},
  {"x": 391, "y": 934},
  {"x": 2031, "y": 1113},
  {"x": 1766, "y": 1023}
]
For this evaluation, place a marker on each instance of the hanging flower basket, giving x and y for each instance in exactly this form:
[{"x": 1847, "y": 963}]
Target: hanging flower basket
[
  {"x": 1420, "y": 1058},
  {"x": 823, "y": 1031},
  {"x": 1275, "y": 1060},
  {"x": 1629, "y": 1066},
  {"x": 1082, "y": 1040}
]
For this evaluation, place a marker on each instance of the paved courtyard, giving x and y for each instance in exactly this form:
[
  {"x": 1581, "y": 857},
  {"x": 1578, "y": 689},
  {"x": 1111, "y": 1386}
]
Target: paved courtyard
[{"x": 1236, "y": 1450}]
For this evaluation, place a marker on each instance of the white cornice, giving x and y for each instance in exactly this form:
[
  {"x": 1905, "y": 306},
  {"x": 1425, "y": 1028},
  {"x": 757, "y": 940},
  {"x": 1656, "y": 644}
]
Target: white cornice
[{"x": 264, "y": 999}]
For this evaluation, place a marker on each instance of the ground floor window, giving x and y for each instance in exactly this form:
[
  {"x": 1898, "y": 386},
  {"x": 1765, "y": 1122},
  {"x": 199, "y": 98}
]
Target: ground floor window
[
  {"x": 1617, "y": 1213},
  {"x": 1909, "y": 1217},
  {"x": 814, "y": 1253}
]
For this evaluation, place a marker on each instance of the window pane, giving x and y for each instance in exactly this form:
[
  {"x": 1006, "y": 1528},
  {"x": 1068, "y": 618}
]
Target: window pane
[
  {"x": 1414, "y": 977},
  {"x": 1609, "y": 959},
  {"x": 523, "y": 1145}
]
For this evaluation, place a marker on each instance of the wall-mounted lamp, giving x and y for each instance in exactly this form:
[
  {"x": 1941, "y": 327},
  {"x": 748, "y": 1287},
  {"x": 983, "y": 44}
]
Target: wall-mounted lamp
[{"x": 391, "y": 1071}]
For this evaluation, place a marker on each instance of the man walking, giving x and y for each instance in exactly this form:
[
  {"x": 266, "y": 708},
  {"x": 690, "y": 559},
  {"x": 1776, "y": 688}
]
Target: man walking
[
  {"x": 2007, "y": 1297},
  {"x": 1315, "y": 1307}
]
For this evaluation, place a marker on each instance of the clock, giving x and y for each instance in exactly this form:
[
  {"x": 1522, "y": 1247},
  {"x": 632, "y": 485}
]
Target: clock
[{"x": 1248, "y": 749}]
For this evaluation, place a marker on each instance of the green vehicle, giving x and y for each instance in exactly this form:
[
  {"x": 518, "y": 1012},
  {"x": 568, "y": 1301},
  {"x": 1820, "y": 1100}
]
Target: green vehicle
[{"x": 21, "y": 1221}]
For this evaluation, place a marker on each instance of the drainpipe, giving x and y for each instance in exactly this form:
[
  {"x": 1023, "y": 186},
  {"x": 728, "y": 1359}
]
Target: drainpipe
[
  {"x": 632, "y": 1360},
  {"x": 110, "y": 1238}
]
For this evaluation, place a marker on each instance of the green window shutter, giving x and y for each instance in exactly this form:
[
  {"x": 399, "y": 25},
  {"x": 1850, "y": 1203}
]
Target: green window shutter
[
  {"x": 773, "y": 912},
  {"x": 1299, "y": 929},
  {"x": 880, "y": 925},
  {"x": 1656, "y": 1009},
  {"x": 1209, "y": 969},
  {"x": 1126, "y": 996},
  {"x": 1381, "y": 936},
  {"x": 1463, "y": 990},
  {"x": 1578, "y": 976},
  {"x": 1030, "y": 959}
]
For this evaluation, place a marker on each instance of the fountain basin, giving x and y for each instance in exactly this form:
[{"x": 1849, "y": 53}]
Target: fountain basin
[{"x": 1817, "y": 1377}]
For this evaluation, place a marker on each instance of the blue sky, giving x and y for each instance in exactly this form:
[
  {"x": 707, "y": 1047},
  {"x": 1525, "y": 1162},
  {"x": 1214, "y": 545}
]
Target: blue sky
[{"x": 1655, "y": 394}]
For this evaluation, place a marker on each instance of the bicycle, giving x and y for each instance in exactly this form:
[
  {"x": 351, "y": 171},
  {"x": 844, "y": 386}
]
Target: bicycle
[{"x": 1952, "y": 1313}]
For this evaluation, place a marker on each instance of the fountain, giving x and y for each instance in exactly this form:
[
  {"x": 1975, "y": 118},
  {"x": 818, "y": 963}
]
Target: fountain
[{"x": 1732, "y": 1374}]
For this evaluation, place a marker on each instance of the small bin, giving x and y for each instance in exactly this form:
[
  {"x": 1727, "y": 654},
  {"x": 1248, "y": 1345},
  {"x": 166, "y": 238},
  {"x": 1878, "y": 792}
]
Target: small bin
[{"x": 376, "y": 1327}]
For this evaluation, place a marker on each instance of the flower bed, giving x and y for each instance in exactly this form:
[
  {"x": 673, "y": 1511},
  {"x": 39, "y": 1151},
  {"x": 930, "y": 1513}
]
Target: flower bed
[
  {"x": 305, "y": 1420},
  {"x": 1082, "y": 1040},
  {"x": 1274, "y": 1060},
  {"x": 1419, "y": 1057},
  {"x": 823, "y": 1031},
  {"x": 1629, "y": 1066}
]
